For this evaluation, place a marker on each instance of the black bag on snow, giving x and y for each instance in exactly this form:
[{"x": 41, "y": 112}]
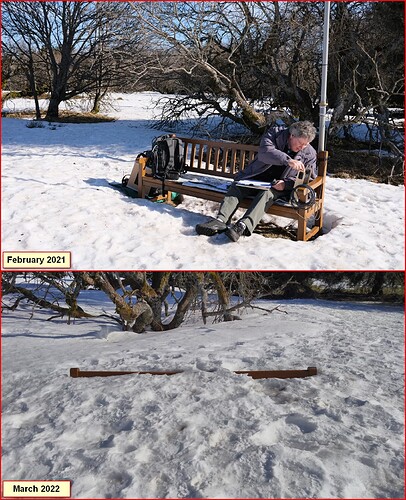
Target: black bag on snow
[{"x": 167, "y": 157}]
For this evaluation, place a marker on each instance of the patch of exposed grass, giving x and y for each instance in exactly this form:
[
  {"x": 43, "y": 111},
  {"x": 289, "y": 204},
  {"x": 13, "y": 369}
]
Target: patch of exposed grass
[
  {"x": 72, "y": 117},
  {"x": 66, "y": 117},
  {"x": 271, "y": 230},
  {"x": 354, "y": 162}
]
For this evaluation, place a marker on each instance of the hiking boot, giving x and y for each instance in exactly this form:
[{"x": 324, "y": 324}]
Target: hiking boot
[
  {"x": 235, "y": 231},
  {"x": 211, "y": 227}
]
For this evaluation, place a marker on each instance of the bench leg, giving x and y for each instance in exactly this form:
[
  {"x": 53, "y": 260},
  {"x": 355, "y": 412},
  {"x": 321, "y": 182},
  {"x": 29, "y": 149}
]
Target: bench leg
[
  {"x": 133, "y": 180},
  {"x": 319, "y": 220},
  {"x": 318, "y": 224},
  {"x": 301, "y": 229},
  {"x": 303, "y": 234}
]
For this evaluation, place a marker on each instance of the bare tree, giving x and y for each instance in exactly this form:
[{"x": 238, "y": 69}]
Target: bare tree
[
  {"x": 21, "y": 46},
  {"x": 75, "y": 43},
  {"x": 252, "y": 63},
  {"x": 57, "y": 292},
  {"x": 139, "y": 297},
  {"x": 366, "y": 61},
  {"x": 228, "y": 55},
  {"x": 366, "y": 76}
]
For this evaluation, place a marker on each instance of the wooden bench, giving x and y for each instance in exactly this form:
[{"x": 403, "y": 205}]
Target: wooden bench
[{"x": 219, "y": 161}]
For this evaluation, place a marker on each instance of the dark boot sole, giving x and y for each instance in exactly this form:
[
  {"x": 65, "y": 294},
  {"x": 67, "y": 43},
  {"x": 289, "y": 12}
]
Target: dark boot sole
[
  {"x": 232, "y": 235},
  {"x": 210, "y": 228},
  {"x": 207, "y": 231}
]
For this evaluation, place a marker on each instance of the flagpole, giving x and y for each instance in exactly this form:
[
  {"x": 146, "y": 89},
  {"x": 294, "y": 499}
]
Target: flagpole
[{"x": 323, "y": 96}]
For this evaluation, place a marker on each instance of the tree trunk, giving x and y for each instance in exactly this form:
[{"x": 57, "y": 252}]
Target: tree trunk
[
  {"x": 98, "y": 97},
  {"x": 33, "y": 88},
  {"x": 183, "y": 307},
  {"x": 222, "y": 294},
  {"x": 128, "y": 313},
  {"x": 378, "y": 284},
  {"x": 96, "y": 105},
  {"x": 53, "y": 109}
]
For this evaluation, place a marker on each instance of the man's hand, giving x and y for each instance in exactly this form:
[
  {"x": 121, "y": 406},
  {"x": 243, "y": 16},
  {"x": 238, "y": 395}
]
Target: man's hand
[
  {"x": 296, "y": 164},
  {"x": 279, "y": 185}
]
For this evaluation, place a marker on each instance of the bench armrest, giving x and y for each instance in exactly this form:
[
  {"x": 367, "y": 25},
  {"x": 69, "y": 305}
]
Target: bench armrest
[{"x": 318, "y": 181}]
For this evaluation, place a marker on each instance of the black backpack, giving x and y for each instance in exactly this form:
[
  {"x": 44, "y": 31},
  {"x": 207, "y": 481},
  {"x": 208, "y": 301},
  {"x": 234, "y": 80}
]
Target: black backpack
[{"x": 167, "y": 157}]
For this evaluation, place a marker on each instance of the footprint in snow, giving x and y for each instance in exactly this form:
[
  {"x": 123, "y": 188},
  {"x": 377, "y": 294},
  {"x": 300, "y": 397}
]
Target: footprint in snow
[
  {"x": 304, "y": 425},
  {"x": 107, "y": 443}
]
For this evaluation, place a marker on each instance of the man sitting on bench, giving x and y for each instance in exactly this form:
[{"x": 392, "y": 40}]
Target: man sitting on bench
[{"x": 282, "y": 153}]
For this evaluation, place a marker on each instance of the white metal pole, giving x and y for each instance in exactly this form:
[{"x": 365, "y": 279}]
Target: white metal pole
[{"x": 324, "y": 65}]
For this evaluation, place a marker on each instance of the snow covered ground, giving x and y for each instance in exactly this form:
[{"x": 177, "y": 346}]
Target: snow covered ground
[
  {"x": 209, "y": 432},
  {"x": 57, "y": 197}
]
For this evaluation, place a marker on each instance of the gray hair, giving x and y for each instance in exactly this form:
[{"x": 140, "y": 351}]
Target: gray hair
[{"x": 303, "y": 129}]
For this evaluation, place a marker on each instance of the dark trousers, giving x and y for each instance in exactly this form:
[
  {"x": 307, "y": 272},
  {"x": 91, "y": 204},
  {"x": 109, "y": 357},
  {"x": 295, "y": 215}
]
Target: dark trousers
[{"x": 263, "y": 199}]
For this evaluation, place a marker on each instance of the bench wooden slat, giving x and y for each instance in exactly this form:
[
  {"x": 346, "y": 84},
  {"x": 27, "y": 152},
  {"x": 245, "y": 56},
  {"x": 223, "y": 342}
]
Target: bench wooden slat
[
  {"x": 233, "y": 160},
  {"x": 193, "y": 155},
  {"x": 209, "y": 152},
  {"x": 200, "y": 156}
]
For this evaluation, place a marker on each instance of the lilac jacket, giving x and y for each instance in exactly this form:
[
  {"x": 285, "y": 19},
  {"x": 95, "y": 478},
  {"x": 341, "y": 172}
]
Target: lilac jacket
[{"x": 270, "y": 152}]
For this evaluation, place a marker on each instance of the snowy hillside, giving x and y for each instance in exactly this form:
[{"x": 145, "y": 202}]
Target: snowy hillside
[
  {"x": 57, "y": 197},
  {"x": 209, "y": 432}
]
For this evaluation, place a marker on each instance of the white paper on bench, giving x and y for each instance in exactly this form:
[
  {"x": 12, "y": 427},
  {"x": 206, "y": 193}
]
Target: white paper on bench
[
  {"x": 202, "y": 181},
  {"x": 222, "y": 188},
  {"x": 254, "y": 184}
]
